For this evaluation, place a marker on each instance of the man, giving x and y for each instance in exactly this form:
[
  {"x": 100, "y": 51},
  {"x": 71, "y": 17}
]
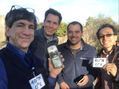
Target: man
[
  {"x": 19, "y": 69},
  {"x": 77, "y": 59},
  {"x": 46, "y": 35},
  {"x": 107, "y": 36}
]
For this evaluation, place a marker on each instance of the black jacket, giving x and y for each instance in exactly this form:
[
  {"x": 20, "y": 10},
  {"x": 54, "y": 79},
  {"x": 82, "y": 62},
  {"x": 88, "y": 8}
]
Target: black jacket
[
  {"x": 112, "y": 58},
  {"x": 18, "y": 74},
  {"x": 40, "y": 44}
]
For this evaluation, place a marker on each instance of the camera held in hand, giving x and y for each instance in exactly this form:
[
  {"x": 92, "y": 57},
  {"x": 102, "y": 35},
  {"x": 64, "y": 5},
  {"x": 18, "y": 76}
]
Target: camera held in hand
[{"x": 55, "y": 56}]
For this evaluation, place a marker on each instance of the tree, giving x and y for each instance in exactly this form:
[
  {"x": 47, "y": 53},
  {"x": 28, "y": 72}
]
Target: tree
[
  {"x": 62, "y": 30},
  {"x": 91, "y": 27}
]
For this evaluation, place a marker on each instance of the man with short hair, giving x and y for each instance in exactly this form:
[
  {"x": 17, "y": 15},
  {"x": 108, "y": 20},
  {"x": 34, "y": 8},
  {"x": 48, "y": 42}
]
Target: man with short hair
[
  {"x": 78, "y": 56},
  {"x": 109, "y": 77},
  {"x": 46, "y": 36},
  {"x": 19, "y": 69}
]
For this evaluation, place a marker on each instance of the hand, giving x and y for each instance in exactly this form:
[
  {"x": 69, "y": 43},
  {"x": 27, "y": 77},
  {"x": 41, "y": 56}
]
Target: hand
[
  {"x": 54, "y": 71},
  {"x": 110, "y": 68},
  {"x": 83, "y": 81},
  {"x": 64, "y": 85}
]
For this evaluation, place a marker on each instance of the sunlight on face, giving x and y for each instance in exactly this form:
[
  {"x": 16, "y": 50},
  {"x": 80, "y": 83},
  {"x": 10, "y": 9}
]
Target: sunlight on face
[
  {"x": 74, "y": 34},
  {"x": 107, "y": 38},
  {"x": 21, "y": 34},
  {"x": 51, "y": 24}
]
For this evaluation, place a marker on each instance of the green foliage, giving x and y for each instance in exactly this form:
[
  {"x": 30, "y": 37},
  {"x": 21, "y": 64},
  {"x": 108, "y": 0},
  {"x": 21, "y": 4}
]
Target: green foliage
[
  {"x": 91, "y": 27},
  {"x": 62, "y": 30}
]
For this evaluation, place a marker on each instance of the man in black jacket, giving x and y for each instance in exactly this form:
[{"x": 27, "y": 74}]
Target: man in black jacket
[
  {"x": 46, "y": 36},
  {"x": 19, "y": 69},
  {"x": 109, "y": 77}
]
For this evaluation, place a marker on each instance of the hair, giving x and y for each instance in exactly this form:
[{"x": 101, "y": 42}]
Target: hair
[
  {"x": 54, "y": 12},
  {"x": 17, "y": 14},
  {"x": 74, "y": 23},
  {"x": 104, "y": 26}
]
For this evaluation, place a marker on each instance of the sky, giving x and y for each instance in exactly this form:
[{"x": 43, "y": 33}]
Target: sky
[{"x": 71, "y": 10}]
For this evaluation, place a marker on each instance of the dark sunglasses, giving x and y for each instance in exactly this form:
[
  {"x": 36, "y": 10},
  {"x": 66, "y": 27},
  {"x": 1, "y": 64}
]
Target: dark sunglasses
[{"x": 106, "y": 35}]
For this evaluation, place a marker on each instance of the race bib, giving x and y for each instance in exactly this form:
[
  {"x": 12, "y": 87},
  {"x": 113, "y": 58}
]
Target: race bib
[
  {"x": 99, "y": 62},
  {"x": 37, "y": 82}
]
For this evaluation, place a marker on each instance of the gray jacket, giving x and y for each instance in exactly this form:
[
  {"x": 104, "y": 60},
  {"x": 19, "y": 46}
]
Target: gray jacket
[{"x": 74, "y": 65}]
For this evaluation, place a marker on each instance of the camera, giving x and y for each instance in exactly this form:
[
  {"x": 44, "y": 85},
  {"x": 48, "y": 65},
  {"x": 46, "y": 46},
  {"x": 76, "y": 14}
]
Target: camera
[{"x": 55, "y": 56}]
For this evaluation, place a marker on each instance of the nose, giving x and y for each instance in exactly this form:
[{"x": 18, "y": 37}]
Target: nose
[
  {"x": 50, "y": 24},
  {"x": 27, "y": 30}
]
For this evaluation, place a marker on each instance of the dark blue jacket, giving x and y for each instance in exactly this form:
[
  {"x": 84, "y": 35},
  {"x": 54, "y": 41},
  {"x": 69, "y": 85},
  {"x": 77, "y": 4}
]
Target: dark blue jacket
[
  {"x": 76, "y": 65},
  {"x": 16, "y": 69}
]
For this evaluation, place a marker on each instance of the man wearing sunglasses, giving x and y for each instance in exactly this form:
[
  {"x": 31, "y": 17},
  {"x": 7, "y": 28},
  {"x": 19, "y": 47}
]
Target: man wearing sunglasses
[
  {"x": 109, "y": 77},
  {"x": 19, "y": 69}
]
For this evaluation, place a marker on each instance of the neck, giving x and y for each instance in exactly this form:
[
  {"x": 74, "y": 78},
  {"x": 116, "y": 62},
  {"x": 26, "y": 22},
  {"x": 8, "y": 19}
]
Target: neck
[
  {"x": 108, "y": 50},
  {"x": 76, "y": 46}
]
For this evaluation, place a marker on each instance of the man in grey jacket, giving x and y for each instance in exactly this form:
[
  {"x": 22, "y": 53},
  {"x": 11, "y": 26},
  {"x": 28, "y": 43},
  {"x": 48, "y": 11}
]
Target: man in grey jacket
[{"x": 77, "y": 59}]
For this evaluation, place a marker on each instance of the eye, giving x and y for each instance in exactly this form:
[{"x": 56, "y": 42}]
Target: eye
[
  {"x": 19, "y": 25},
  {"x": 32, "y": 27}
]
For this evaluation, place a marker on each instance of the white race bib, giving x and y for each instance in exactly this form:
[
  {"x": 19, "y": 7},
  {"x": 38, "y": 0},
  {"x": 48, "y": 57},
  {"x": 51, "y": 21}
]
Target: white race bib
[
  {"x": 99, "y": 62},
  {"x": 37, "y": 82}
]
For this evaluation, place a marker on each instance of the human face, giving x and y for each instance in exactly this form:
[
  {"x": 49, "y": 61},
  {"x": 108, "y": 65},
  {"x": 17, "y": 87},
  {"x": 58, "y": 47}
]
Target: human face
[
  {"x": 74, "y": 34},
  {"x": 21, "y": 34},
  {"x": 51, "y": 24},
  {"x": 107, "y": 38}
]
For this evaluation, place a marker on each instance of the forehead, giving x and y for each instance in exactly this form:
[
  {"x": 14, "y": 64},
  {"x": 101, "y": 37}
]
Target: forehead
[
  {"x": 52, "y": 17},
  {"x": 74, "y": 27},
  {"x": 23, "y": 21},
  {"x": 106, "y": 30}
]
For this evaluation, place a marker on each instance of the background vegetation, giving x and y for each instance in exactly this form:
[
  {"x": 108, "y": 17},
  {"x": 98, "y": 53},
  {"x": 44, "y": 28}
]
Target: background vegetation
[{"x": 90, "y": 29}]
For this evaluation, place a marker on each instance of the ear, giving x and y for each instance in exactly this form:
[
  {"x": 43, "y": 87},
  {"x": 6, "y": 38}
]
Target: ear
[{"x": 7, "y": 31}]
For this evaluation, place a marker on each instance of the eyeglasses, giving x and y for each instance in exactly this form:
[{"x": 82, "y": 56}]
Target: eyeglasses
[
  {"x": 106, "y": 35},
  {"x": 14, "y": 7}
]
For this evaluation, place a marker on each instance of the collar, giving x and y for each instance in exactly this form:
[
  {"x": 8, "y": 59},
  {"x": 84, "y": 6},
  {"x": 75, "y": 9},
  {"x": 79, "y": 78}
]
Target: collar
[{"x": 16, "y": 50}]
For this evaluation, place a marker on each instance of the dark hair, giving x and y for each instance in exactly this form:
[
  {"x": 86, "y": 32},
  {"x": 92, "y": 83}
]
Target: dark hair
[
  {"x": 104, "y": 26},
  {"x": 17, "y": 14},
  {"x": 54, "y": 12},
  {"x": 74, "y": 23}
]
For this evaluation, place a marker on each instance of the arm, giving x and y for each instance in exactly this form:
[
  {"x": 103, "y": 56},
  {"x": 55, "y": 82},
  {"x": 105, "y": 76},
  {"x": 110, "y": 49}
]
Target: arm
[
  {"x": 3, "y": 76},
  {"x": 54, "y": 72},
  {"x": 62, "y": 83}
]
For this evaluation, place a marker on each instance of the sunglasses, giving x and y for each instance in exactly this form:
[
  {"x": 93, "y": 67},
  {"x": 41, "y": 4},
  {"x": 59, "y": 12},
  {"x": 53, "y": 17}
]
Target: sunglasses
[
  {"x": 106, "y": 35},
  {"x": 14, "y": 7}
]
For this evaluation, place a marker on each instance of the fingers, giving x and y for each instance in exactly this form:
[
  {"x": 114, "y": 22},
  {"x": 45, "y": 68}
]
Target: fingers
[{"x": 110, "y": 68}]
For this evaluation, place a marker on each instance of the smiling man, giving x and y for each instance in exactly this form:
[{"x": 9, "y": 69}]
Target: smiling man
[
  {"x": 107, "y": 36},
  {"x": 19, "y": 69},
  {"x": 77, "y": 58},
  {"x": 46, "y": 36}
]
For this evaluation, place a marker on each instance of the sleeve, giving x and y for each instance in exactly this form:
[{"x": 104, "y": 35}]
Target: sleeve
[
  {"x": 91, "y": 79},
  {"x": 52, "y": 82},
  {"x": 3, "y": 76},
  {"x": 116, "y": 78},
  {"x": 60, "y": 78}
]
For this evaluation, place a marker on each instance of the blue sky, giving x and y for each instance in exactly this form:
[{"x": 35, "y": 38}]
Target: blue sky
[{"x": 71, "y": 10}]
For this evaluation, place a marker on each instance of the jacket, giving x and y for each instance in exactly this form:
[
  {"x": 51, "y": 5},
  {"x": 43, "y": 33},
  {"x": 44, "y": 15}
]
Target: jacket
[
  {"x": 40, "y": 44},
  {"x": 114, "y": 81},
  {"x": 17, "y": 68},
  {"x": 76, "y": 65}
]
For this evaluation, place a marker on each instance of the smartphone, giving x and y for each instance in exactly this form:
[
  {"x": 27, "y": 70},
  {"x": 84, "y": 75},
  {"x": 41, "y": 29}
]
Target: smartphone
[
  {"x": 77, "y": 79},
  {"x": 55, "y": 56}
]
